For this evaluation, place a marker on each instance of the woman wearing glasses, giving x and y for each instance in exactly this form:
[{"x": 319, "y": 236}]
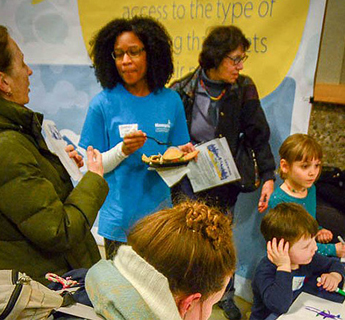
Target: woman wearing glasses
[
  {"x": 219, "y": 102},
  {"x": 133, "y": 62}
]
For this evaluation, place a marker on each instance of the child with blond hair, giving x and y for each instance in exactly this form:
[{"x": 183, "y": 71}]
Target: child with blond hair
[{"x": 300, "y": 167}]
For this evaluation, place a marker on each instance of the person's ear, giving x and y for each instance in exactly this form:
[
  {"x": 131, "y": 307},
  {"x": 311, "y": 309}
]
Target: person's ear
[
  {"x": 284, "y": 166},
  {"x": 188, "y": 303},
  {"x": 4, "y": 85}
]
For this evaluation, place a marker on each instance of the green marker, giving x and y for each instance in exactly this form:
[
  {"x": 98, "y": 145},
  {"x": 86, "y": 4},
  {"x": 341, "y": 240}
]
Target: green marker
[{"x": 338, "y": 290}]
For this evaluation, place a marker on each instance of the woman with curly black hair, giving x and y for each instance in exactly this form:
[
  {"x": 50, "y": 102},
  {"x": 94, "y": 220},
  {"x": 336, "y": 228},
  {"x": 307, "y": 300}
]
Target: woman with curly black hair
[{"x": 133, "y": 62}]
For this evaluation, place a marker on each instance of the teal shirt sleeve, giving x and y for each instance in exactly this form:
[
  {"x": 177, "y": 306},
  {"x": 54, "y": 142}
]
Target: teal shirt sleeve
[
  {"x": 327, "y": 249},
  {"x": 273, "y": 201}
]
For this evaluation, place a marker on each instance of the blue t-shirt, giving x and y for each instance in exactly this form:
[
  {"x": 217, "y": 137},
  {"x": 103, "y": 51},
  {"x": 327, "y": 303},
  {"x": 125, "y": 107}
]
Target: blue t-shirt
[
  {"x": 309, "y": 203},
  {"x": 134, "y": 191}
]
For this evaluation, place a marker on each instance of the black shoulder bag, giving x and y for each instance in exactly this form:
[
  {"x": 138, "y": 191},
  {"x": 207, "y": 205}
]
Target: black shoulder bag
[
  {"x": 246, "y": 163},
  {"x": 247, "y": 166}
]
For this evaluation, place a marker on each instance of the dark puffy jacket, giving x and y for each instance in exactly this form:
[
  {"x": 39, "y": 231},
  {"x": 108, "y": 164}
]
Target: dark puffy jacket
[{"x": 45, "y": 222}]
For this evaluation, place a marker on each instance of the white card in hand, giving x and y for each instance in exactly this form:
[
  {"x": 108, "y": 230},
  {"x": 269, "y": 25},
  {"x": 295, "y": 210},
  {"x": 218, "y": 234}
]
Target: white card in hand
[{"x": 57, "y": 145}]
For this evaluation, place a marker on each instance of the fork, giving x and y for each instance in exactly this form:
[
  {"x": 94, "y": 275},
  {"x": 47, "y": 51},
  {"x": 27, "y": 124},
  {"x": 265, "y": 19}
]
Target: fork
[{"x": 159, "y": 142}]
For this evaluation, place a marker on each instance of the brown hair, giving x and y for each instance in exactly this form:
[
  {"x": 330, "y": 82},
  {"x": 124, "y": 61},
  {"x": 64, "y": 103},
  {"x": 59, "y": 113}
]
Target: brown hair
[
  {"x": 191, "y": 244},
  {"x": 299, "y": 147},
  {"x": 288, "y": 221},
  {"x": 5, "y": 55},
  {"x": 219, "y": 43}
]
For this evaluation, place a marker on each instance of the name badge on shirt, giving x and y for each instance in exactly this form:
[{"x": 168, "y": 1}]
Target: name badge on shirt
[
  {"x": 163, "y": 127},
  {"x": 297, "y": 282},
  {"x": 125, "y": 129}
]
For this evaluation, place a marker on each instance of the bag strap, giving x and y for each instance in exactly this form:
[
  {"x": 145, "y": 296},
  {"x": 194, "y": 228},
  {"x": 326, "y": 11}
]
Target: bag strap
[
  {"x": 71, "y": 307},
  {"x": 80, "y": 310}
]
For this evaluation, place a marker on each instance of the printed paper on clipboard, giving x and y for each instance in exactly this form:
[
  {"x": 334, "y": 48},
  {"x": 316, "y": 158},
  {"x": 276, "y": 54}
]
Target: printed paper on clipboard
[
  {"x": 215, "y": 166},
  {"x": 57, "y": 145}
]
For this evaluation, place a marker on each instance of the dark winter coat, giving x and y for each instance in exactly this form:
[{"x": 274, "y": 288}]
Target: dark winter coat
[{"x": 45, "y": 223}]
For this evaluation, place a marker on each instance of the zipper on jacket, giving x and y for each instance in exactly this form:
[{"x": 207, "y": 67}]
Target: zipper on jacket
[{"x": 19, "y": 281}]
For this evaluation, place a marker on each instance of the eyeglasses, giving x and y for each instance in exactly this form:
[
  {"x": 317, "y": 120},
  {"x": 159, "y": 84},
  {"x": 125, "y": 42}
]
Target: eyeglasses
[
  {"x": 238, "y": 59},
  {"x": 133, "y": 53}
]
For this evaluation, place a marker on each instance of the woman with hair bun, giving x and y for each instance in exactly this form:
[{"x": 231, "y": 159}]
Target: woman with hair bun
[{"x": 176, "y": 265}]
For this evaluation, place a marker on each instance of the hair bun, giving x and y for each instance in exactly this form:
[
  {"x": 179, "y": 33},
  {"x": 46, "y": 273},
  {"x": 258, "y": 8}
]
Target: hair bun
[{"x": 206, "y": 221}]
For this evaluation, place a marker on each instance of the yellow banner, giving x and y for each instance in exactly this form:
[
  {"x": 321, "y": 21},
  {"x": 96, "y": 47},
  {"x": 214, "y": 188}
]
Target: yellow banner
[{"x": 274, "y": 28}]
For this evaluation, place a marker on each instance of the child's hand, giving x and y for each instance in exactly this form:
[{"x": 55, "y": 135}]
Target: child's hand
[
  {"x": 324, "y": 236},
  {"x": 279, "y": 254},
  {"x": 340, "y": 249},
  {"x": 329, "y": 281}
]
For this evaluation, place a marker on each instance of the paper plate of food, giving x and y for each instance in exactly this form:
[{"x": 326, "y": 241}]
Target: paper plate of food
[{"x": 172, "y": 157}]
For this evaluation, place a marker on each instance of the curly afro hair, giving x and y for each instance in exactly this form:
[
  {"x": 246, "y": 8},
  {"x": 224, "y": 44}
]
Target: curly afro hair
[{"x": 158, "y": 48}]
